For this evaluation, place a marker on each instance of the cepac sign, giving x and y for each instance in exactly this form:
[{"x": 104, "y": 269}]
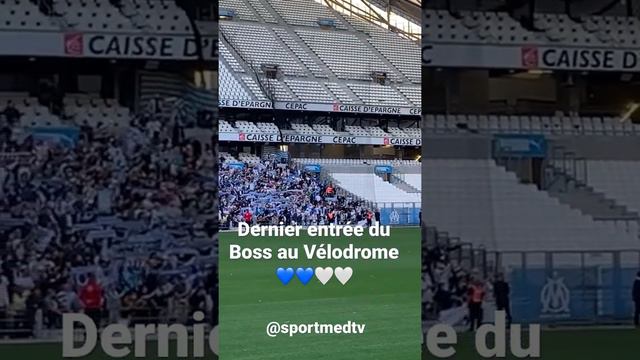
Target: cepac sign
[
  {"x": 321, "y": 107},
  {"x": 345, "y": 139}
]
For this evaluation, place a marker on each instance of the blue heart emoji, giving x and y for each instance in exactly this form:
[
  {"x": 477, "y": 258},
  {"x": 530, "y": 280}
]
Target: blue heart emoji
[
  {"x": 285, "y": 275},
  {"x": 304, "y": 275}
]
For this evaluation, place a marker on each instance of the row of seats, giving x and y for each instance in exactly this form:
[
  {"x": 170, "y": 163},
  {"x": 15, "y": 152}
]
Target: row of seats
[
  {"x": 315, "y": 65},
  {"x": 557, "y": 124},
  {"x": 373, "y": 188},
  {"x": 501, "y": 28},
  {"x": 95, "y": 15},
  {"x": 227, "y": 157},
  {"x": 229, "y": 87},
  {"x": 244, "y": 87},
  {"x": 83, "y": 109},
  {"x": 483, "y": 203},
  {"x": 249, "y": 158}
]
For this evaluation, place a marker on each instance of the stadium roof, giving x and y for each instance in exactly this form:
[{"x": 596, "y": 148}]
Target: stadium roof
[
  {"x": 412, "y": 8},
  {"x": 401, "y": 16}
]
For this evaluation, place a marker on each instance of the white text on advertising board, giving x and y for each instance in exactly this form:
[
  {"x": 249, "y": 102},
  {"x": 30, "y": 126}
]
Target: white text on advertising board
[
  {"x": 136, "y": 46},
  {"x": 584, "y": 59},
  {"x": 370, "y": 109},
  {"x": 250, "y": 104},
  {"x": 291, "y": 138},
  {"x": 320, "y": 139}
]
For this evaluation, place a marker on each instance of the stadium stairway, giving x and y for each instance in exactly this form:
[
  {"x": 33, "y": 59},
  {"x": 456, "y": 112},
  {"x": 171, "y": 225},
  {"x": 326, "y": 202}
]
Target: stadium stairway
[
  {"x": 580, "y": 196},
  {"x": 397, "y": 181},
  {"x": 489, "y": 206},
  {"x": 564, "y": 179}
]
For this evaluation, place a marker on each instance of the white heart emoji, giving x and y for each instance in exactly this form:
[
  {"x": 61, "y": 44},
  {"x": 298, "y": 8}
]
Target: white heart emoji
[
  {"x": 324, "y": 275},
  {"x": 343, "y": 275}
]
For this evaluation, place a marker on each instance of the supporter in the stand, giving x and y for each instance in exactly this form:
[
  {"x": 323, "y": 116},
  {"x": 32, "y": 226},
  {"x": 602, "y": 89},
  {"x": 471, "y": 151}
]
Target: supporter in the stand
[
  {"x": 18, "y": 307},
  {"x": 11, "y": 113},
  {"x": 283, "y": 193},
  {"x": 247, "y": 216},
  {"x": 329, "y": 191},
  {"x": 92, "y": 299},
  {"x": 34, "y": 303},
  {"x": 4, "y": 296},
  {"x": 147, "y": 185}
]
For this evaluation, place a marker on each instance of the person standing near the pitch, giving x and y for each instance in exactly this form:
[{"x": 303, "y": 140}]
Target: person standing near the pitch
[
  {"x": 501, "y": 292},
  {"x": 636, "y": 300},
  {"x": 476, "y": 292}
]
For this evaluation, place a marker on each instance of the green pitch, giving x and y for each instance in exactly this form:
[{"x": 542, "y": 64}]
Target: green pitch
[
  {"x": 383, "y": 294},
  {"x": 570, "y": 345},
  {"x": 556, "y": 345},
  {"x": 51, "y": 351}
]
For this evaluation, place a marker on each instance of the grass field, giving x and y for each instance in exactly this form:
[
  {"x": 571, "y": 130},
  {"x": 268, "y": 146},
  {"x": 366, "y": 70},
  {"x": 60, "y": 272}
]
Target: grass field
[
  {"x": 383, "y": 294},
  {"x": 556, "y": 345},
  {"x": 51, "y": 351},
  {"x": 611, "y": 344}
]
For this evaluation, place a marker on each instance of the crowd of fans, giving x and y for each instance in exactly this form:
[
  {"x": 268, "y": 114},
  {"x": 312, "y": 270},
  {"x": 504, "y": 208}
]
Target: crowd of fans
[
  {"x": 274, "y": 192},
  {"x": 457, "y": 295},
  {"x": 119, "y": 225},
  {"x": 444, "y": 281}
]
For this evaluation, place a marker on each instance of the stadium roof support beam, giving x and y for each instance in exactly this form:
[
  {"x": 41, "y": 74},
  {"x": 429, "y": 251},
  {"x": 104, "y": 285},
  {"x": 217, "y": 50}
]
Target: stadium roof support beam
[
  {"x": 374, "y": 17},
  {"x": 409, "y": 7}
]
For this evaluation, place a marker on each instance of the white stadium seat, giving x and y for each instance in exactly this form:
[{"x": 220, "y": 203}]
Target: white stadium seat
[{"x": 315, "y": 65}]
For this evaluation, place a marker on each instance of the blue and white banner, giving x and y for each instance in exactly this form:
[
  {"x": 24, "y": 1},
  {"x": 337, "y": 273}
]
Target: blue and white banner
[
  {"x": 571, "y": 294},
  {"x": 65, "y": 135},
  {"x": 313, "y": 168},
  {"x": 400, "y": 216},
  {"x": 384, "y": 169},
  {"x": 236, "y": 165},
  {"x": 531, "y": 146}
]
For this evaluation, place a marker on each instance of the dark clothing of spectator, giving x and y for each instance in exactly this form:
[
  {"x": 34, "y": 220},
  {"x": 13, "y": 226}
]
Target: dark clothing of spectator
[
  {"x": 636, "y": 300},
  {"x": 12, "y": 114},
  {"x": 501, "y": 292}
]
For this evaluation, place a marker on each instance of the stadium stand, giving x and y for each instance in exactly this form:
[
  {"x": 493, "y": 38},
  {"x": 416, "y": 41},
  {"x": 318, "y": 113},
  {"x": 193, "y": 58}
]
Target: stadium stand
[
  {"x": 269, "y": 192},
  {"x": 557, "y": 198},
  {"x": 108, "y": 209},
  {"x": 127, "y": 16},
  {"x": 530, "y": 124},
  {"x": 484, "y": 203},
  {"x": 314, "y": 64},
  {"x": 499, "y": 27},
  {"x": 104, "y": 190}
]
